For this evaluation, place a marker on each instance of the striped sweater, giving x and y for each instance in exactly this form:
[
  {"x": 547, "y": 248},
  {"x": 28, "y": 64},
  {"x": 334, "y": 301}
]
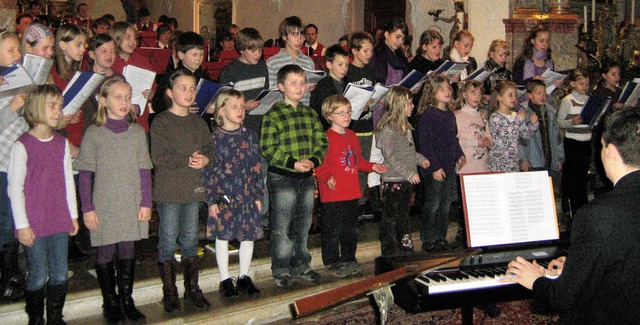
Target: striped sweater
[{"x": 570, "y": 108}]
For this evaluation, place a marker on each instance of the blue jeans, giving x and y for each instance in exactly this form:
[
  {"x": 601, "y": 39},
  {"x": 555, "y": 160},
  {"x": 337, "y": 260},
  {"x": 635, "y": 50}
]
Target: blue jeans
[
  {"x": 435, "y": 211},
  {"x": 47, "y": 260},
  {"x": 291, "y": 204},
  {"x": 178, "y": 222}
]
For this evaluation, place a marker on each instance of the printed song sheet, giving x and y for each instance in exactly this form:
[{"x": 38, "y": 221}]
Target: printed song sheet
[
  {"x": 82, "y": 85},
  {"x": 509, "y": 208},
  {"x": 140, "y": 80},
  {"x": 267, "y": 98}
]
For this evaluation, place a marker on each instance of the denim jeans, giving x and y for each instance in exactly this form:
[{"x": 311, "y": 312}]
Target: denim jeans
[
  {"x": 291, "y": 204},
  {"x": 339, "y": 232},
  {"x": 6, "y": 215},
  {"x": 435, "y": 211},
  {"x": 47, "y": 260},
  {"x": 178, "y": 222}
]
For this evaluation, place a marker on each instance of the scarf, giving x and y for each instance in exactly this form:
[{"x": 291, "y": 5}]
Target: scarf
[{"x": 455, "y": 57}]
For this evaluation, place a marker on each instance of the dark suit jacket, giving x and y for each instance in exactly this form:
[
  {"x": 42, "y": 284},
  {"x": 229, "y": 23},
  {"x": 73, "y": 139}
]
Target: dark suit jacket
[{"x": 600, "y": 281}]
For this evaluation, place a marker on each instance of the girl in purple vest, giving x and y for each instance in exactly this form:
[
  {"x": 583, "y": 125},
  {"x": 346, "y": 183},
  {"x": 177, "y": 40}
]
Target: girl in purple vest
[
  {"x": 43, "y": 200},
  {"x": 115, "y": 167}
]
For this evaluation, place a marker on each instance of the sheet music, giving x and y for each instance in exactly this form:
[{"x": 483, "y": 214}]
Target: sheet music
[
  {"x": 593, "y": 110},
  {"x": 630, "y": 94},
  {"x": 451, "y": 69},
  {"x": 413, "y": 80},
  {"x": 380, "y": 91},
  {"x": 18, "y": 81},
  {"x": 140, "y": 80},
  {"x": 359, "y": 96},
  {"x": 550, "y": 78},
  {"x": 509, "y": 208},
  {"x": 480, "y": 75},
  {"x": 38, "y": 68},
  {"x": 206, "y": 93},
  {"x": 249, "y": 84},
  {"x": 267, "y": 98},
  {"x": 82, "y": 85},
  {"x": 313, "y": 76}
]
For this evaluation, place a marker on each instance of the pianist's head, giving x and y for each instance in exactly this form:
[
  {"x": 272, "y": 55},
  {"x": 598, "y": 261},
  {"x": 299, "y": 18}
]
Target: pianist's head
[{"x": 621, "y": 143}]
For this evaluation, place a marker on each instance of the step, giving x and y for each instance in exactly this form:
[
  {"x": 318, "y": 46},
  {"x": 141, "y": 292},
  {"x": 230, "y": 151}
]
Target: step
[
  {"x": 272, "y": 305},
  {"x": 83, "y": 304}
]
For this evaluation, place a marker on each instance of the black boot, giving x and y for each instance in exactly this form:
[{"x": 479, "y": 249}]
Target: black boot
[
  {"x": 35, "y": 306},
  {"x": 56, "y": 295},
  {"x": 75, "y": 253},
  {"x": 107, "y": 280},
  {"x": 169, "y": 289},
  {"x": 192, "y": 291},
  {"x": 126, "y": 270},
  {"x": 11, "y": 280}
]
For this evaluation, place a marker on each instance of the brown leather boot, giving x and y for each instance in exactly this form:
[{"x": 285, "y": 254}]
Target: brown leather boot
[
  {"x": 169, "y": 289},
  {"x": 192, "y": 291}
]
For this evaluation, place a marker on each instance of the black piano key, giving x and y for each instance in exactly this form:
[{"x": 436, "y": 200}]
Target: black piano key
[
  {"x": 433, "y": 277},
  {"x": 450, "y": 276},
  {"x": 474, "y": 273},
  {"x": 486, "y": 272},
  {"x": 457, "y": 275},
  {"x": 425, "y": 279}
]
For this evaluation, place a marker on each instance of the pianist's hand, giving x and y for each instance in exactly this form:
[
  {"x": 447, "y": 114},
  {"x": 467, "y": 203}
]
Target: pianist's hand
[
  {"x": 555, "y": 266},
  {"x": 524, "y": 272}
]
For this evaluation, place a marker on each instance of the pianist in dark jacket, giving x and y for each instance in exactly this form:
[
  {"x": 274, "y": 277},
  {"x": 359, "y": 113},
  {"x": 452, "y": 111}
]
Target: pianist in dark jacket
[{"x": 598, "y": 281}]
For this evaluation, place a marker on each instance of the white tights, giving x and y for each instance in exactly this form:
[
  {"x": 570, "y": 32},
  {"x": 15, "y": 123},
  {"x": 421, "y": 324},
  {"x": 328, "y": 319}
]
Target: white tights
[{"x": 222, "y": 257}]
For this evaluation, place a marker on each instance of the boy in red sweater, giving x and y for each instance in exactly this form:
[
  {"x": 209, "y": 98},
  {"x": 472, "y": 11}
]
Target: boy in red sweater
[{"x": 340, "y": 189}]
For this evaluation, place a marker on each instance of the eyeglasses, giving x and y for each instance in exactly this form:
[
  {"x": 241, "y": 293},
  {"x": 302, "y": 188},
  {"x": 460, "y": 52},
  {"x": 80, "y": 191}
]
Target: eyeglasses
[{"x": 343, "y": 113}]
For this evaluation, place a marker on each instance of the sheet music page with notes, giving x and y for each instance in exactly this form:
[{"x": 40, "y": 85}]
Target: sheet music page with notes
[{"x": 509, "y": 208}]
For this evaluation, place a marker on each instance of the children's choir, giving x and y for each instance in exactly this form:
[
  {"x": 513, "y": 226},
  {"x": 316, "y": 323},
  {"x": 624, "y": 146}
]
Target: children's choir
[{"x": 233, "y": 161}]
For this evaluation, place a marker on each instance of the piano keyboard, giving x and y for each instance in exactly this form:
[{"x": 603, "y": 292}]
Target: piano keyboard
[
  {"x": 457, "y": 280},
  {"x": 480, "y": 271}
]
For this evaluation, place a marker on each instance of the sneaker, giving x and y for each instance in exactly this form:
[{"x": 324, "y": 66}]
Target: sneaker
[
  {"x": 354, "y": 268},
  {"x": 338, "y": 270},
  {"x": 284, "y": 280},
  {"x": 310, "y": 275},
  {"x": 407, "y": 243}
]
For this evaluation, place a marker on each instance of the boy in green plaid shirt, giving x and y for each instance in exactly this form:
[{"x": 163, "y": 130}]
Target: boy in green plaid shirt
[{"x": 293, "y": 142}]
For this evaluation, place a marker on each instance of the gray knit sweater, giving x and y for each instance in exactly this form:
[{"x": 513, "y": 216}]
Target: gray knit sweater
[{"x": 399, "y": 153}]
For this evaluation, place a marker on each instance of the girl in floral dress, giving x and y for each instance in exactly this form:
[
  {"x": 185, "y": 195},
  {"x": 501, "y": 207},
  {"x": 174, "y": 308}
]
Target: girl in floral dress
[
  {"x": 506, "y": 127},
  {"x": 234, "y": 190}
]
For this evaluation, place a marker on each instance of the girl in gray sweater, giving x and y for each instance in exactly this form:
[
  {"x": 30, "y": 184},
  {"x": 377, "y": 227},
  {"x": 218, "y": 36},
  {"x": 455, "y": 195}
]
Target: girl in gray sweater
[{"x": 393, "y": 137}]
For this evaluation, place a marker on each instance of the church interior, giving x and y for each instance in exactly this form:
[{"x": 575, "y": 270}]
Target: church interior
[{"x": 584, "y": 33}]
